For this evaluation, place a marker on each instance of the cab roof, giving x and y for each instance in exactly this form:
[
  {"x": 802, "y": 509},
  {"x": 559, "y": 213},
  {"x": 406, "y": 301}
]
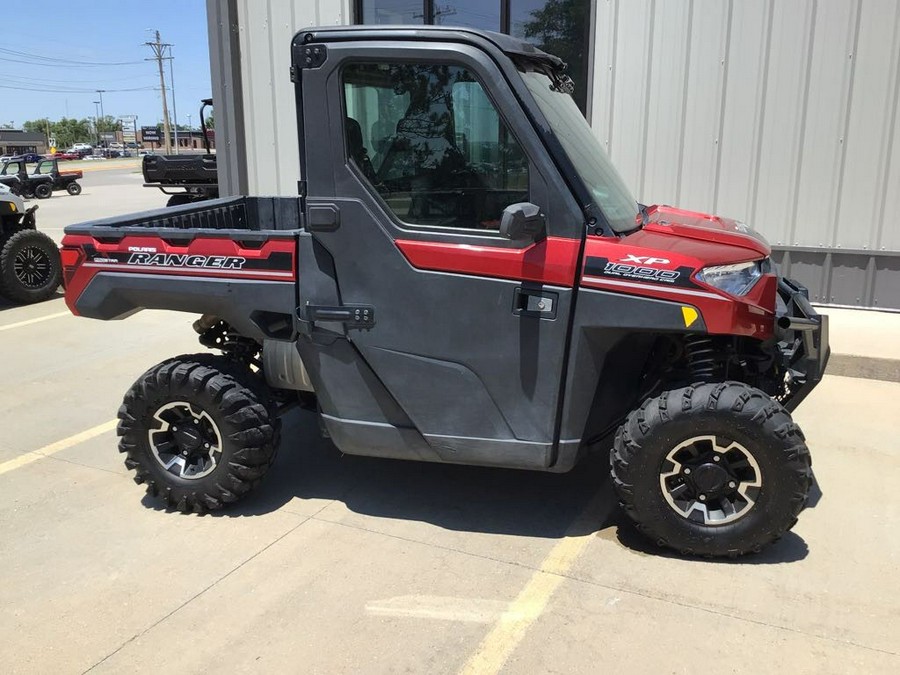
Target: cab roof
[{"x": 511, "y": 46}]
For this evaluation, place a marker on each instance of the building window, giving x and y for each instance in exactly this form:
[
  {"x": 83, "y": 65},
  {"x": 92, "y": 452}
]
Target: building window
[
  {"x": 391, "y": 12},
  {"x": 560, "y": 27},
  {"x": 431, "y": 143}
]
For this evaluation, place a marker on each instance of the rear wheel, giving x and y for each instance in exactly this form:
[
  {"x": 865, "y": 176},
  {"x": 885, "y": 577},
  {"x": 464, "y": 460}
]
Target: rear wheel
[
  {"x": 179, "y": 200},
  {"x": 30, "y": 268},
  {"x": 73, "y": 189},
  {"x": 712, "y": 469},
  {"x": 43, "y": 191},
  {"x": 198, "y": 436}
]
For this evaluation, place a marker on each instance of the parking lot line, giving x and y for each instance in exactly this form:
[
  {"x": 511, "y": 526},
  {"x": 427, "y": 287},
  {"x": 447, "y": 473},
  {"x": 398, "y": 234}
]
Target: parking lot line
[
  {"x": 58, "y": 446},
  {"x": 20, "y": 324},
  {"x": 507, "y": 633}
]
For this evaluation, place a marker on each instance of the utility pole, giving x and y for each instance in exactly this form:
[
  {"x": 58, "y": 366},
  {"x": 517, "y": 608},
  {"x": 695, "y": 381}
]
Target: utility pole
[
  {"x": 159, "y": 48},
  {"x": 174, "y": 107},
  {"x": 97, "y": 121},
  {"x": 102, "y": 113}
]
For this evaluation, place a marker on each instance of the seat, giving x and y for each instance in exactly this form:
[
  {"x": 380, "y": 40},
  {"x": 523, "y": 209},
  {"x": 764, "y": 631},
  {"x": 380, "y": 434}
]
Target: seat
[{"x": 357, "y": 149}]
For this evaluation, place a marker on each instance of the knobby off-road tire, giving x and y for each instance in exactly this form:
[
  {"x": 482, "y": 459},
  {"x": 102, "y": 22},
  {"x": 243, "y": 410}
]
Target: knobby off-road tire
[
  {"x": 179, "y": 200},
  {"x": 43, "y": 191},
  {"x": 229, "y": 431},
  {"x": 712, "y": 469},
  {"x": 30, "y": 267},
  {"x": 73, "y": 189}
]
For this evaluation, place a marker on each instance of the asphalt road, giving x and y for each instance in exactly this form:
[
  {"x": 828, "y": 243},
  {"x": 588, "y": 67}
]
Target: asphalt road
[{"x": 345, "y": 564}]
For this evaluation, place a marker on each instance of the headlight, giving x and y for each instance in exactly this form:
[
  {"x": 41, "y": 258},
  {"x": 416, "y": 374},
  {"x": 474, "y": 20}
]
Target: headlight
[{"x": 735, "y": 279}]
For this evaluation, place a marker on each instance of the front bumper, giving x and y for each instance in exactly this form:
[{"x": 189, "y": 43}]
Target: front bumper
[{"x": 802, "y": 335}]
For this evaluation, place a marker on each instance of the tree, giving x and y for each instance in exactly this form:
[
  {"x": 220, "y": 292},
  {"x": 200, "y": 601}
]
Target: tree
[
  {"x": 67, "y": 131},
  {"x": 38, "y": 126},
  {"x": 210, "y": 122},
  {"x": 108, "y": 123},
  {"x": 560, "y": 28}
]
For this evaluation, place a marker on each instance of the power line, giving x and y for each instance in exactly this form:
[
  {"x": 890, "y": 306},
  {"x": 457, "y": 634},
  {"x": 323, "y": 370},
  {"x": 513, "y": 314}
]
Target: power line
[
  {"x": 93, "y": 80},
  {"x": 69, "y": 91},
  {"x": 41, "y": 58}
]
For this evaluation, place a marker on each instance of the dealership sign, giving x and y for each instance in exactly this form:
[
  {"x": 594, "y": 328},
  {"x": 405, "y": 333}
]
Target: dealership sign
[
  {"x": 151, "y": 135},
  {"x": 128, "y": 130}
]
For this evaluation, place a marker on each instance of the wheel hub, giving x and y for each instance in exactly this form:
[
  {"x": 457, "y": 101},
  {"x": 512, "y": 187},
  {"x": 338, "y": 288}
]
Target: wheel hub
[
  {"x": 31, "y": 267},
  {"x": 187, "y": 442},
  {"x": 186, "y": 438},
  {"x": 710, "y": 480}
]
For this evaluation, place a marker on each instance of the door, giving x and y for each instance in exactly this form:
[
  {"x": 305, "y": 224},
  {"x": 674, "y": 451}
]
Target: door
[{"x": 411, "y": 154}]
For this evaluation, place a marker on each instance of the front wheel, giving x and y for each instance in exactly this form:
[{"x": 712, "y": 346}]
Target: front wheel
[
  {"x": 712, "y": 469},
  {"x": 43, "y": 191},
  {"x": 197, "y": 435},
  {"x": 73, "y": 189}
]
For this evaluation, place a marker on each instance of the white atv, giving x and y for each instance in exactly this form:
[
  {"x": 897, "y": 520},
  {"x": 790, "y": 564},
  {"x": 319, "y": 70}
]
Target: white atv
[{"x": 30, "y": 267}]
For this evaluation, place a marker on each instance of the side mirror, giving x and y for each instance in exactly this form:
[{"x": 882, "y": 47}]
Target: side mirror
[{"x": 522, "y": 222}]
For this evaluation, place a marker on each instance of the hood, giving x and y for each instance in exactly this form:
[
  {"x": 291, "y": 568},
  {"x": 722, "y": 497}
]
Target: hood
[
  {"x": 705, "y": 227},
  {"x": 10, "y": 203}
]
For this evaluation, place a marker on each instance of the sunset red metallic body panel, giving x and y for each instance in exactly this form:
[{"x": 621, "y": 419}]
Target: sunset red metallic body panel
[
  {"x": 674, "y": 239},
  {"x": 688, "y": 248},
  {"x": 83, "y": 257},
  {"x": 550, "y": 261}
]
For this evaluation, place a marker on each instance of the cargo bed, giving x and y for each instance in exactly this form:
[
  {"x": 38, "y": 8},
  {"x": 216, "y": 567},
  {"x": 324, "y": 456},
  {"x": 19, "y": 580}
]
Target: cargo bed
[{"x": 234, "y": 257}]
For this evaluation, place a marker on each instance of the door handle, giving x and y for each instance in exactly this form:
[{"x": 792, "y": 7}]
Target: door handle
[
  {"x": 361, "y": 317},
  {"x": 541, "y": 304}
]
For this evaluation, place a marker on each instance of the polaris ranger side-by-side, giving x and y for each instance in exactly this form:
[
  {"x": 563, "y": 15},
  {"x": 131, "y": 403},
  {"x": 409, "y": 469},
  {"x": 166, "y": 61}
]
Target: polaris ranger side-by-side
[
  {"x": 465, "y": 278},
  {"x": 30, "y": 269},
  {"x": 185, "y": 178}
]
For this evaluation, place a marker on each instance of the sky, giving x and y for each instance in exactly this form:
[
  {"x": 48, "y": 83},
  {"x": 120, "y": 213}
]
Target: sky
[{"x": 72, "y": 35}]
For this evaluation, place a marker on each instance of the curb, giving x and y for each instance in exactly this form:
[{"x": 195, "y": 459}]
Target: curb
[{"x": 866, "y": 367}]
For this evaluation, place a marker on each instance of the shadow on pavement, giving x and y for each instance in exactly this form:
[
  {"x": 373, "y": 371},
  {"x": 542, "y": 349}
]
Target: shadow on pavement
[
  {"x": 459, "y": 498},
  {"x": 6, "y": 304}
]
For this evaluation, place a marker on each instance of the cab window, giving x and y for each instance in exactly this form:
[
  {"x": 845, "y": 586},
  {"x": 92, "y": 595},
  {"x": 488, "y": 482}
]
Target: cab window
[{"x": 431, "y": 143}]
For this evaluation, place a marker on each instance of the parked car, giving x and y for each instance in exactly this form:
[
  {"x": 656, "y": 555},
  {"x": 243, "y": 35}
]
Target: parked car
[{"x": 31, "y": 157}]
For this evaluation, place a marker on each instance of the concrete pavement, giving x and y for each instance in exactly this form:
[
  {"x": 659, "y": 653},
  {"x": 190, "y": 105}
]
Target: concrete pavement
[
  {"x": 345, "y": 564},
  {"x": 341, "y": 564}
]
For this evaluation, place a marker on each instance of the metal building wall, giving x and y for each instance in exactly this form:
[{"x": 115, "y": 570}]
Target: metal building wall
[
  {"x": 255, "y": 111},
  {"x": 782, "y": 113}
]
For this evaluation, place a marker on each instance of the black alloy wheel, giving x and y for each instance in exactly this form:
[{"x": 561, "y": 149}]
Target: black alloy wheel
[{"x": 30, "y": 267}]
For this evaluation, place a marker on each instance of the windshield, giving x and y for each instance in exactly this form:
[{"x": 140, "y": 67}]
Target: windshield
[{"x": 591, "y": 162}]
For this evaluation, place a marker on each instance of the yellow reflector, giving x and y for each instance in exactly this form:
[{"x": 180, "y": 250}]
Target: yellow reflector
[
  {"x": 690, "y": 315},
  {"x": 12, "y": 207}
]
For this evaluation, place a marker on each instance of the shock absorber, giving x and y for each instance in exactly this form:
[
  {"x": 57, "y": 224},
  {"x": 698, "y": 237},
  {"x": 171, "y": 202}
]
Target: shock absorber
[{"x": 701, "y": 356}]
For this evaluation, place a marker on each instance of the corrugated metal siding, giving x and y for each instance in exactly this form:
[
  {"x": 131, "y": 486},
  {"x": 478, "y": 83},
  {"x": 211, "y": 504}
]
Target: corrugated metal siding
[
  {"x": 270, "y": 115},
  {"x": 783, "y": 114}
]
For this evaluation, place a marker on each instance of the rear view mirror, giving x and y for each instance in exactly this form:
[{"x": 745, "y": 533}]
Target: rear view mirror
[{"x": 522, "y": 221}]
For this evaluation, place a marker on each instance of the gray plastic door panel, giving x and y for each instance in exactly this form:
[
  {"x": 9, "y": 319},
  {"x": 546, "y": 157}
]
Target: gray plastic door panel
[{"x": 470, "y": 329}]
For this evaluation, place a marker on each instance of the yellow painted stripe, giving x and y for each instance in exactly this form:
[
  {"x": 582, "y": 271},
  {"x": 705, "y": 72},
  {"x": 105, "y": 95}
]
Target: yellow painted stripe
[
  {"x": 31, "y": 321},
  {"x": 58, "y": 446},
  {"x": 499, "y": 644}
]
